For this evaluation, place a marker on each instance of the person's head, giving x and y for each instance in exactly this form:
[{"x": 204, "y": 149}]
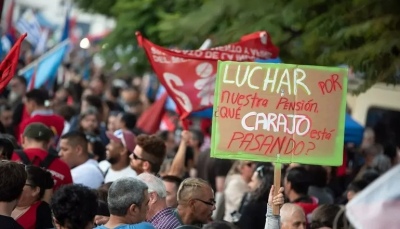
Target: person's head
[
  {"x": 37, "y": 182},
  {"x": 220, "y": 225},
  {"x": 196, "y": 198},
  {"x": 157, "y": 193},
  {"x": 130, "y": 95},
  {"x": 381, "y": 163},
  {"x": 128, "y": 199},
  {"x": 197, "y": 138},
  {"x": 97, "y": 85},
  {"x": 61, "y": 95},
  {"x": 355, "y": 187},
  {"x": 324, "y": 217},
  {"x": 74, "y": 206},
  {"x": 169, "y": 140},
  {"x": 371, "y": 152},
  {"x": 244, "y": 168},
  {"x": 112, "y": 122},
  {"x": 368, "y": 138},
  {"x": 18, "y": 85},
  {"x": 148, "y": 154},
  {"x": 126, "y": 121},
  {"x": 261, "y": 182},
  {"x": 66, "y": 111},
  {"x": 296, "y": 182},
  {"x": 370, "y": 175},
  {"x": 96, "y": 148},
  {"x": 6, "y": 148},
  {"x": 171, "y": 184},
  {"x": 12, "y": 182},
  {"x": 6, "y": 114},
  {"x": 37, "y": 135},
  {"x": 292, "y": 217},
  {"x": 122, "y": 144},
  {"x": 89, "y": 120},
  {"x": 92, "y": 101},
  {"x": 35, "y": 99},
  {"x": 74, "y": 148},
  {"x": 102, "y": 191}
]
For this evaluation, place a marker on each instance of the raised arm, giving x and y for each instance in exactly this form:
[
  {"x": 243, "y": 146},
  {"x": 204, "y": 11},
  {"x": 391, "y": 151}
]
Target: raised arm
[{"x": 274, "y": 221}]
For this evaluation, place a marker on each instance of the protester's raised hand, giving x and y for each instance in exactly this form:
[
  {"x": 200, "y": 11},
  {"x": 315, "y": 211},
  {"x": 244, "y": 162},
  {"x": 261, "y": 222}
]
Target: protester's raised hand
[
  {"x": 277, "y": 200},
  {"x": 185, "y": 136}
]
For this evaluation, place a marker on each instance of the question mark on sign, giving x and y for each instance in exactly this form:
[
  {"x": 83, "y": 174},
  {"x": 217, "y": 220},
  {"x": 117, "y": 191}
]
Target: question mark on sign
[{"x": 311, "y": 148}]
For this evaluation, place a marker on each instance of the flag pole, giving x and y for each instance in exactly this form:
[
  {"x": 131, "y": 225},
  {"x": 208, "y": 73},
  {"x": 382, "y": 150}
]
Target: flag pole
[{"x": 42, "y": 57}]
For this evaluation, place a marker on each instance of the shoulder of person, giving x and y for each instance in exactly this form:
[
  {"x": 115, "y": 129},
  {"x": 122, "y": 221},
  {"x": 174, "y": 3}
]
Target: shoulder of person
[{"x": 142, "y": 225}]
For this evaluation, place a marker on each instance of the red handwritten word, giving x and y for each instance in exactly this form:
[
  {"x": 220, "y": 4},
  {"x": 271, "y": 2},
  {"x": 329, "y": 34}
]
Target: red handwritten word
[
  {"x": 284, "y": 104},
  {"x": 243, "y": 99},
  {"x": 330, "y": 84},
  {"x": 269, "y": 144},
  {"x": 300, "y": 124},
  {"x": 228, "y": 112},
  {"x": 321, "y": 134}
]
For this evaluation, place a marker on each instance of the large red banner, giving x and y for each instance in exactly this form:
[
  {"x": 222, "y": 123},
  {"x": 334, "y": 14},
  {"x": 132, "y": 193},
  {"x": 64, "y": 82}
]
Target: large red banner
[{"x": 189, "y": 75}]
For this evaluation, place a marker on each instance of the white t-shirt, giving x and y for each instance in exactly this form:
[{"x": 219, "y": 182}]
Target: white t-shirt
[
  {"x": 88, "y": 174},
  {"x": 113, "y": 175}
]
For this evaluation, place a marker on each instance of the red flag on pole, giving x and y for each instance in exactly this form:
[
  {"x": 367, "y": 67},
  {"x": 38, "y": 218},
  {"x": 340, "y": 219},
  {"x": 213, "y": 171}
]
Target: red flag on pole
[
  {"x": 150, "y": 120},
  {"x": 189, "y": 75},
  {"x": 9, "y": 64}
]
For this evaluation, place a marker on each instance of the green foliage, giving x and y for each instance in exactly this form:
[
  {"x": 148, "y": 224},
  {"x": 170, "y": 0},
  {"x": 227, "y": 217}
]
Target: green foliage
[{"x": 361, "y": 33}]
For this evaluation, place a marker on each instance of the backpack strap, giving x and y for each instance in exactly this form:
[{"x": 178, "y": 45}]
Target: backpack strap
[
  {"x": 47, "y": 161},
  {"x": 105, "y": 173},
  {"x": 22, "y": 155}
]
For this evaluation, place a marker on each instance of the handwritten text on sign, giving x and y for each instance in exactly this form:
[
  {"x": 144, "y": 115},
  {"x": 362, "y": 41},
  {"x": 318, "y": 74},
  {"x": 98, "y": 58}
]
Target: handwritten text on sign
[{"x": 265, "y": 109}]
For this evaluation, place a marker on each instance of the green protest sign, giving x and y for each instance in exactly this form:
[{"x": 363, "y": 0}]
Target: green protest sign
[{"x": 262, "y": 110}]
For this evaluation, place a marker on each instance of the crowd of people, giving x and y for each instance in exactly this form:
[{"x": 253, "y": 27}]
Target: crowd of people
[{"x": 77, "y": 159}]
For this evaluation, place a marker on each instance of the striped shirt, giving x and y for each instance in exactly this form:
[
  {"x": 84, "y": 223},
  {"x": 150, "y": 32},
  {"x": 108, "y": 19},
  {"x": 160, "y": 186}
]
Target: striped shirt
[{"x": 165, "y": 219}]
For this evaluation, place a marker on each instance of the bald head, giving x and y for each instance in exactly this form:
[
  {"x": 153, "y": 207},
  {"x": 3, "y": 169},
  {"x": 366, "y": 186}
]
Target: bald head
[{"x": 292, "y": 217}]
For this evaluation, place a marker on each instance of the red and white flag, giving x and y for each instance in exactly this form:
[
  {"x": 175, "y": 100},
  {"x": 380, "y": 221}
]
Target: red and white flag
[
  {"x": 189, "y": 75},
  {"x": 9, "y": 64}
]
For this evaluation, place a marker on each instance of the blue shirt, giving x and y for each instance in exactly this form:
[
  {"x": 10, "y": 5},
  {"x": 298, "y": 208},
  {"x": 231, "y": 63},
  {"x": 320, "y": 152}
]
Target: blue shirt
[{"x": 143, "y": 225}]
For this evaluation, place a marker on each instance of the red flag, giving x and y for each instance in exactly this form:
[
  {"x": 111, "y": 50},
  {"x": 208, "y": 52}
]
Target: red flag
[
  {"x": 189, "y": 75},
  {"x": 150, "y": 120},
  {"x": 9, "y": 64}
]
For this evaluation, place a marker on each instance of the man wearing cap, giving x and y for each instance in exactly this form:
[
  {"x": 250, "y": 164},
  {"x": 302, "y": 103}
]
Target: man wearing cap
[
  {"x": 148, "y": 154},
  {"x": 36, "y": 139},
  {"x": 122, "y": 143},
  {"x": 74, "y": 151},
  {"x": 35, "y": 103}
]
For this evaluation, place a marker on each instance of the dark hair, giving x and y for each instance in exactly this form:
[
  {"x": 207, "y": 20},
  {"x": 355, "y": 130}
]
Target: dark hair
[
  {"x": 5, "y": 107},
  {"x": 155, "y": 148},
  {"x": 6, "y": 147},
  {"x": 370, "y": 175},
  {"x": 67, "y": 112},
  {"x": 318, "y": 175},
  {"x": 324, "y": 216},
  {"x": 98, "y": 148},
  {"x": 114, "y": 91},
  {"x": 95, "y": 101},
  {"x": 76, "y": 138},
  {"x": 299, "y": 180},
  {"x": 2, "y": 128},
  {"x": 129, "y": 119},
  {"x": 173, "y": 179},
  {"x": 163, "y": 135},
  {"x": 102, "y": 191},
  {"x": 220, "y": 225},
  {"x": 74, "y": 206},
  {"x": 198, "y": 135},
  {"x": 39, "y": 177},
  {"x": 266, "y": 177},
  {"x": 22, "y": 78},
  {"x": 38, "y": 96},
  {"x": 12, "y": 180},
  {"x": 358, "y": 185}
]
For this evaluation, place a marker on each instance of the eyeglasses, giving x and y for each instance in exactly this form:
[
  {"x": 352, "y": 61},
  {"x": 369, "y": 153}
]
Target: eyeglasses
[
  {"x": 136, "y": 157},
  {"x": 212, "y": 203}
]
